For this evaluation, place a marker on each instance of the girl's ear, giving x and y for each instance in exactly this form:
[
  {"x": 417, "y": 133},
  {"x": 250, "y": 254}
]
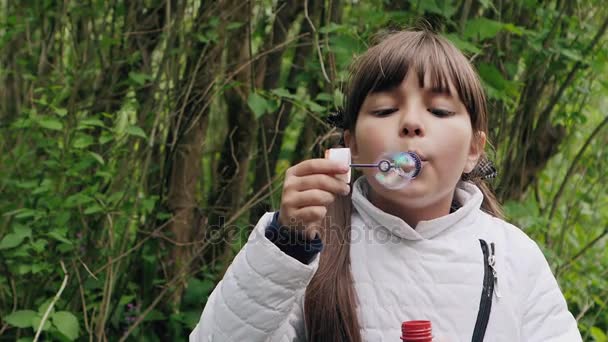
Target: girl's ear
[
  {"x": 476, "y": 149},
  {"x": 350, "y": 142}
]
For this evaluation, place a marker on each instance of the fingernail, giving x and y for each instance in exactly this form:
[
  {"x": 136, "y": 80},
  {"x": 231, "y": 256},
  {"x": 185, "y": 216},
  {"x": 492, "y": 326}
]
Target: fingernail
[{"x": 346, "y": 190}]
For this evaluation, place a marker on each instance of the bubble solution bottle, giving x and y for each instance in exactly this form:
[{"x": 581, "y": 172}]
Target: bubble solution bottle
[{"x": 416, "y": 331}]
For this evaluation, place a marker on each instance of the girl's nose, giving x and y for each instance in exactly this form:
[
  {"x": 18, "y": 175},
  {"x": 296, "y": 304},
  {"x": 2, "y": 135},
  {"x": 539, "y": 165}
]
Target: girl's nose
[{"x": 411, "y": 126}]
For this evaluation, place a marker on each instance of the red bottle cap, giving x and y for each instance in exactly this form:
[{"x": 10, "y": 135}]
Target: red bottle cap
[{"x": 416, "y": 331}]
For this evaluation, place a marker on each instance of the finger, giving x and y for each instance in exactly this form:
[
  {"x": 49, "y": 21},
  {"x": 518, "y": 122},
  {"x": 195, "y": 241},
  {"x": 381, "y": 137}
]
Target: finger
[
  {"x": 319, "y": 165},
  {"x": 322, "y": 182},
  {"x": 310, "y": 214},
  {"x": 309, "y": 198}
]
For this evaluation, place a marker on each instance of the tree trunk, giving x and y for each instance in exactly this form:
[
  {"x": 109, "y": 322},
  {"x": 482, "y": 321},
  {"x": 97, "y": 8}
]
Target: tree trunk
[
  {"x": 274, "y": 124},
  {"x": 238, "y": 145},
  {"x": 538, "y": 139},
  {"x": 185, "y": 141}
]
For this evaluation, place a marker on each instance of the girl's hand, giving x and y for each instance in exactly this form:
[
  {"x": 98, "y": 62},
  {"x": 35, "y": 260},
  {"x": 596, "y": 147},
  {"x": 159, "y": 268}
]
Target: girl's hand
[{"x": 308, "y": 189}]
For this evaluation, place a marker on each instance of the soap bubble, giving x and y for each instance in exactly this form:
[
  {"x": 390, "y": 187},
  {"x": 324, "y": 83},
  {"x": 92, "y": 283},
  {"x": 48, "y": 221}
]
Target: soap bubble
[{"x": 396, "y": 169}]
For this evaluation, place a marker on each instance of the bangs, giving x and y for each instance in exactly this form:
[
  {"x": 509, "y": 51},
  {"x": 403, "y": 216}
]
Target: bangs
[
  {"x": 392, "y": 65},
  {"x": 384, "y": 67}
]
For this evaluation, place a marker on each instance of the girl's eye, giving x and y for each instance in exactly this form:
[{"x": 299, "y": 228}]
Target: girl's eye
[
  {"x": 384, "y": 112},
  {"x": 441, "y": 112}
]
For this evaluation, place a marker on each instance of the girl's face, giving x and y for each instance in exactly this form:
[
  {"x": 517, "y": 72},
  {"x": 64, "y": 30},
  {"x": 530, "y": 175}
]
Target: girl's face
[{"x": 435, "y": 125}]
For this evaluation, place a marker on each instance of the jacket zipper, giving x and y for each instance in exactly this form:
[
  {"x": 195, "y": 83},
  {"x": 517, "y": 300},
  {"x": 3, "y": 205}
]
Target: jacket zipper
[
  {"x": 490, "y": 279},
  {"x": 492, "y": 264}
]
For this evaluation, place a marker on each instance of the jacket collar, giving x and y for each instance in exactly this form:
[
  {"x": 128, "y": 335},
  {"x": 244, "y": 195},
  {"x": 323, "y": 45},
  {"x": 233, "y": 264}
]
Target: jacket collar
[{"x": 468, "y": 195}]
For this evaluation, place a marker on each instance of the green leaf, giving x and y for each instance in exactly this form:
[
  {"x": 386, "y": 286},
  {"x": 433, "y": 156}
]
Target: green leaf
[
  {"x": 21, "y": 318},
  {"x": 191, "y": 318},
  {"x": 14, "y": 239},
  {"x": 282, "y": 92},
  {"x": 60, "y": 111},
  {"x": 314, "y": 107},
  {"x": 27, "y": 184},
  {"x": 148, "y": 204},
  {"x": 338, "y": 98},
  {"x": 482, "y": 28},
  {"x": 197, "y": 291},
  {"x": 11, "y": 240},
  {"x": 36, "y": 324},
  {"x": 574, "y": 55},
  {"x": 273, "y": 105},
  {"x": 63, "y": 248},
  {"x": 463, "y": 44},
  {"x": 488, "y": 4},
  {"x": 37, "y": 268},
  {"x": 97, "y": 157},
  {"x": 22, "y": 123},
  {"x": 95, "y": 208},
  {"x": 105, "y": 137},
  {"x": 125, "y": 299},
  {"x": 324, "y": 97},
  {"x": 509, "y": 27},
  {"x": 90, "y": 122},
  {"x": 50, "y": 123},
  {"x": 39, "y": 245},
  {"x": 23, "y": 269},
  {"x": 82, "y": 141},
  {"x": 139, "y": 78},
  {"x": 77, "y": 199},
  {"x": 67, "y": 324},
  {"x": 44, "y": 306},
  {"x": 155, "y": 315},
  {"x": 121, "y": 122},
  {"x": 213, "y": 21},
  {"x": 45, "y": 186},
  {"x": 25, "y": 213},
  {"x": 136, "y": 131},
  {"x": 598, "y": 334},
  {"x": 116, "y": 197},
  {"x": 332, "y": 27},
  {"x": 234, "y": 25},
  {"x": 59, "y": 237},
  {"x": 202, "y": 38},
  {"x": 431, "y": 6},
  {"x": 492, "y": 76},
  {"x": 258, "y": 104}
]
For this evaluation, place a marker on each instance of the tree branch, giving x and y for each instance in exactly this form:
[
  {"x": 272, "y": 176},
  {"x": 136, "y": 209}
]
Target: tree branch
[
  {"x": 582, "y": 251},
  {"x": 52, "y": 304},
  {"x": 573, "y": 165},
  {"x": 572, "y": 73}
]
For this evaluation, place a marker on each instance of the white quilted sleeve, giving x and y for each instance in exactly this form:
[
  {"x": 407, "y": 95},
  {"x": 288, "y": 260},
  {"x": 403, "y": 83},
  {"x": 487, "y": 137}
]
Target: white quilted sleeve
[
  {"x": 546, "y": 316},
  {"x": 292, "y": 329},
  {"x": 260, "y": 296}
]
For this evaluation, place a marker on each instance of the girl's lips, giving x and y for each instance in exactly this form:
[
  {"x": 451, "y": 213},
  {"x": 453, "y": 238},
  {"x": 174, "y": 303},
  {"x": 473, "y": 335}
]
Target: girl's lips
[
  {"x": 419, "y": 154},
  {"x": 422, "y": 158}
]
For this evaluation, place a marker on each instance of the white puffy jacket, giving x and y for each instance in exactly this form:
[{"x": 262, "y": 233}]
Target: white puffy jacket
[{"x": 435, "y": 272}]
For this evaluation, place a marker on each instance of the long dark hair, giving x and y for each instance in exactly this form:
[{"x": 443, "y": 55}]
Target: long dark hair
[{"x": 331, "y": 301}]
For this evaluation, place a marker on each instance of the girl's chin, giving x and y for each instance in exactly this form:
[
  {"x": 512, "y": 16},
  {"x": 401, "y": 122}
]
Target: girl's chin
[{"x": 413, "y": 189}]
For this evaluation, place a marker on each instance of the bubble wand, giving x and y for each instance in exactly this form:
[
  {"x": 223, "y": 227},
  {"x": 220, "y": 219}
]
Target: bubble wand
[{"x": 396, "y": 169}]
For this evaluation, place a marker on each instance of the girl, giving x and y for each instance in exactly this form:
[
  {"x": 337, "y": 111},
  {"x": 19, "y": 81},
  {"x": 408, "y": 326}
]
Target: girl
[{"x": 436, "y": 249}]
